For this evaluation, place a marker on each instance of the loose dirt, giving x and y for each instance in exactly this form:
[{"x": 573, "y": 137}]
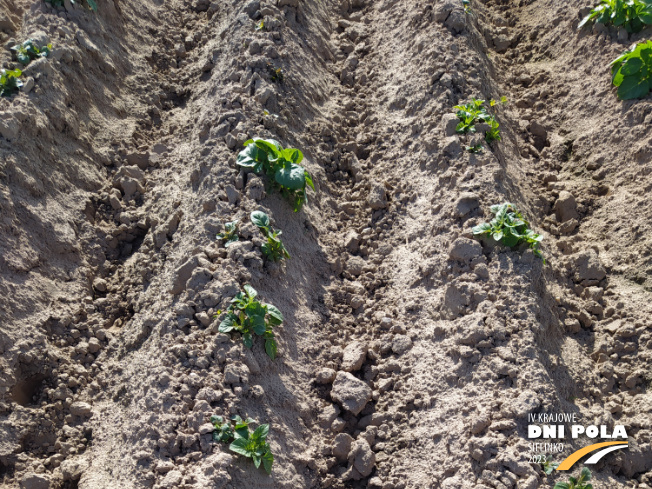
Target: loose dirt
[{"x": 411, "y": 353}]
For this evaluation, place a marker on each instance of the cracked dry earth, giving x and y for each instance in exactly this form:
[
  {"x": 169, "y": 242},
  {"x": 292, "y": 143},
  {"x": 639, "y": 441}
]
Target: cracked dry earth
[{"x": 411, "y": 353}]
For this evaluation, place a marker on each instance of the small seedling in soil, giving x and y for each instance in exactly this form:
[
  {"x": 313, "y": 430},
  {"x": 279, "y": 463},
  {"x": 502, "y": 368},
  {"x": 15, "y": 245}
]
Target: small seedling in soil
[
  {"x": 474, "y": 113},
  {"x": 633, "y": 15},
  {"x": 509, "y": 228},
  {"x": 276, "y": 75},
  {"x": 548, "y": 465},
  {"x": 9, "y": 82},
  {"x": 282, "y": 165},
  {"x": 230, "y": 234},
  {"x": 260, "y": 26},
  {"x": 29, "y": 51},
  {"x": 274, "y": 248},
  {"x": 579, "y": 483},
  {"x": 244, "y": 442},
  {"x": 248, "y": 316},
  {"x": 467, "y": 6},
  {"x": 632, "y": 72},
  {"x": 87, "y": 3},
  {"x": 474, "y": 149},
  {"x": 503, "y": 100}
]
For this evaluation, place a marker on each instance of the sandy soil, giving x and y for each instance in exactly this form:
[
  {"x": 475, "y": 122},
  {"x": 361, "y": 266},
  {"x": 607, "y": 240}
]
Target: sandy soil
[{"x": 411, "y": 353}]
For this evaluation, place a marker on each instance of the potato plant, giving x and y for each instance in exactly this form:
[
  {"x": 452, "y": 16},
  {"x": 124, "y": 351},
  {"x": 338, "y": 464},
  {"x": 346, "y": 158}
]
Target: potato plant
[
  {"x": 248, "y": 316},
  {"x": 548, "y": 465},
  {"x": 579, "y": 483},
  {"x": 91, "y": 4},
  {"x": 276, "y": 75},
  {"x": 474, "y": 113},
  {"x": 274, "y": 248},
  {"x": 633, "y": 15},
  {"x": 282, "y": 165},
  {"x": 28, "y": 51},
  {"x": 10, "y": 82},
  {"x": 632, "y": 72},
  {"x": 509, "y": 228},
  {"x": 243, "y": 441},
  {"x": 230, "y": 234}
]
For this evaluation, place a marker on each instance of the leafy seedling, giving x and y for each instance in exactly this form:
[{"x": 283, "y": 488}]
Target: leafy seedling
[
  {"x": 274, "y": 248},
  {"x": 29, "y": 51},
  {"x": 243, "y": 441},
  {"x": 276, "y": 75},
  {"x": 579, "y": 483},
  {"x": 467, "y": 6},
  {"x": 632, "y": 71},
  {"x": 91, "y": 4},
  {"x": 230, "y": 234},
  {"x": 282, "y": 165},
  {"x": 474, "y": 113},
  {"x": 633, "y": 15},
  {"x": 548, "y": 465},
  {"x": 503, "y": 100},
  {"x": 247, "y": 316},
  {"x": 10, "y": 82},
  {"x": 474, "y": 149},
  {"x": 260, "y": 26},
  {"x": 510, "y": 228}
]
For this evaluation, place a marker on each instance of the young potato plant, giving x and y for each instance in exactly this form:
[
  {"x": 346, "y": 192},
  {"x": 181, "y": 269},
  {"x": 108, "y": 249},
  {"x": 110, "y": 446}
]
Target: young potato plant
[
  {"x": 509, "y": 228},
  {"x": 29, "y": 51},
  {"x": 548, "y": 465},
  {"x": 474, "y": 113},
  {"x": 244, "y": 442},
  {"x": 633, "y": 15},
  {"x": 467, "y": 6},
  {"x": 282, "y": 165},
  {"x": 10, "y": 82},
  {"x": 247, "y": 316},
  {"x": 230, "y": 234},
  {"x": 276, "y": 75},
  {"x": 274, "y": 248},
  {"x": 87, "y": 3},
  {"x": 579, "y": 483},
  {"x": 632, "y": 72}
]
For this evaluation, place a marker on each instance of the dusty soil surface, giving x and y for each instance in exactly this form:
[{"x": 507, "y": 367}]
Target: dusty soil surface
[{"x": 411, "y": 353}]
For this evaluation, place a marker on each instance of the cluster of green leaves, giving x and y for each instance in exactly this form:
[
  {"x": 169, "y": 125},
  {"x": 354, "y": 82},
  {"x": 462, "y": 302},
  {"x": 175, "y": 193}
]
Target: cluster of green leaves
[
  {"x": 248, "y": 316},
  {"x": 244, "y": 442},
  {"x": 276, "y": 75},
  {"x": 633, "y": 15},
  {"x": 476, "y": 148},
  {"x": 548, "y": 465},
  {"x": 91, "y": 4},
  {"x": 579, "y": 483},
  {"x": 283, "y": 165},
  {"x": 230, "y": 234},
  {"x": 473, "y": 113},
  {"x": 260, "y": 26},
  {"x": 274, "y": 248},
  {"x": 467, "y": 6},
  {"x": 632, "y": 72},
  {"x": 29, "y": 51},
  {"x": 10, "y": 82},
  {"x": 510, "y": 228}
]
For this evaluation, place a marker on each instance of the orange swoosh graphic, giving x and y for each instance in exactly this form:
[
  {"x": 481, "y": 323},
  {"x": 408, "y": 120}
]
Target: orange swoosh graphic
[{"x": 574, "y": 457}]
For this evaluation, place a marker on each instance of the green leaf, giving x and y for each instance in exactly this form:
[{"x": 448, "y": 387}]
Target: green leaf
[
  {"x": 291, "y": 177},
  {"x": 251, "y": 156},
  {"x": 247, "y": 340},
  {"x": 483, "y": 228},
  {"x": 275, "y": 315},
  {"x": 251, "y": 292},
  {"x": 632, "y": 66},
  {"x": 239, "y": 446},
  {"x": 271, "y": 348},
  {"x": 293, "y": 155},
  {"x": 257, "y": 460},
  {"x": 633, "y": 87},
  {"x": 268, "y": 460},
  {"x": 261, "y": 432},
  {"x": 562, "y": 485},
  {"x": 309, "y": 180},
  {"x": 92, "y": 5},
  {"x": 585, "y": 474},
  {"x": 227, "y": 325},
  {"x": 260, "y": 219}
]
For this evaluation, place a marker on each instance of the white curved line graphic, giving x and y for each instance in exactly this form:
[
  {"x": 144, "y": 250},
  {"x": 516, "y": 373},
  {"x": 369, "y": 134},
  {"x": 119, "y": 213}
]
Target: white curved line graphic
[{"x": 595, "y": 458}]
